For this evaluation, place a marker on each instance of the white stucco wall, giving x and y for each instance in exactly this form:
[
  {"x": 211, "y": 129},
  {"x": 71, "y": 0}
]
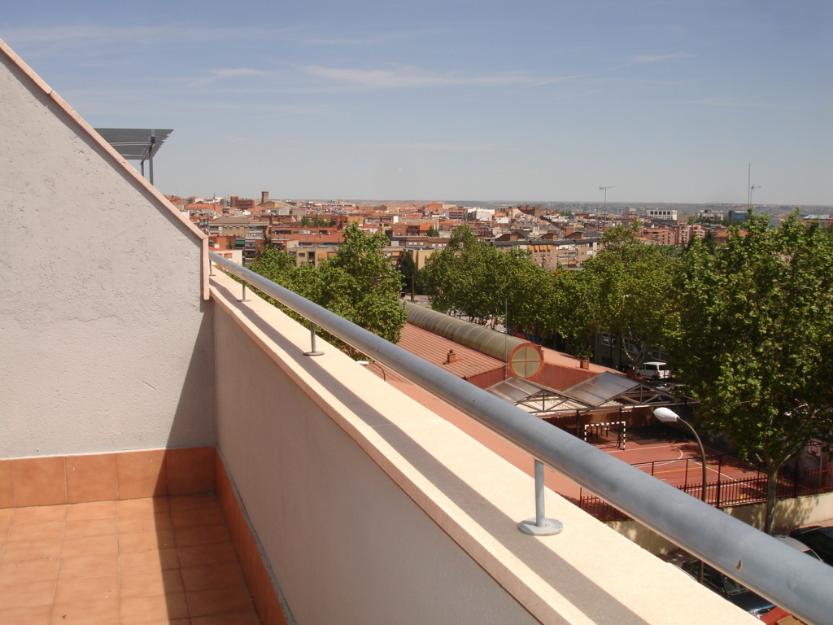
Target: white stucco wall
[
  {"x": 105, "y": 343},
  {"x": 346, "y": 544}
]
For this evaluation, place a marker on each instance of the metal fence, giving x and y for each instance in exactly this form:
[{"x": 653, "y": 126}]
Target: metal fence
[{"x": 725, "y": 492}]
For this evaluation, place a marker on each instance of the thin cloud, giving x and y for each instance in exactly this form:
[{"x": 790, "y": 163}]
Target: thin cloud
[
  {"x": 236, "y": 72},
  {"x": 724, "y": 102},
  {"x": 411, "y": 77},
  {"x": 76, "y": 35},
  {"x": 660, "y": 58}
]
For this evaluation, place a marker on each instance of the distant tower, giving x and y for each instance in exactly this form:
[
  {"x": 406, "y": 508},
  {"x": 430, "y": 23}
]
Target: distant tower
[{"x": 264, "y": 197}]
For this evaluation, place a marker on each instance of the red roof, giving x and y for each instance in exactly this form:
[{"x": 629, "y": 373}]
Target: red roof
[{"x": 435, "y": 348}]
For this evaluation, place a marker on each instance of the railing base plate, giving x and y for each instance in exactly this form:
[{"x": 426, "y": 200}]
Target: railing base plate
[{"x": 549, "y": 527}]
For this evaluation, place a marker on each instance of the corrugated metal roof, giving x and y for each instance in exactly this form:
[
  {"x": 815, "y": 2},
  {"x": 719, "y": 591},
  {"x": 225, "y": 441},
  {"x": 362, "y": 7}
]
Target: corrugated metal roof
[{"x": 485, "y": 340}]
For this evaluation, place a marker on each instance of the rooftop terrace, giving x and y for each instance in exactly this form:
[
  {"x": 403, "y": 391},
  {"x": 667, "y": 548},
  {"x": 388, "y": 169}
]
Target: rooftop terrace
[{"x": 135, "y": 382}]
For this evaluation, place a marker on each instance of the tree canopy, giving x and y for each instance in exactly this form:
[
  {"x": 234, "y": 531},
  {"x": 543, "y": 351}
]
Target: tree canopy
[
  {"x": 359, "y": 283},
  {"x": 754, "y": 340}
]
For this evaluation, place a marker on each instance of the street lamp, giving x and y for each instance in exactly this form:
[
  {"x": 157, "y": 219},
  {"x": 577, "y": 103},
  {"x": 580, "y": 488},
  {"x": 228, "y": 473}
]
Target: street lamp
[{"x": 666, "y": 415}]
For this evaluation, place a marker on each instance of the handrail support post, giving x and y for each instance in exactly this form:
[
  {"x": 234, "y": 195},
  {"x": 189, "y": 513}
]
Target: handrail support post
[
  {"x": 312, "y": 349},
  {"x": 540, "y": 525}
]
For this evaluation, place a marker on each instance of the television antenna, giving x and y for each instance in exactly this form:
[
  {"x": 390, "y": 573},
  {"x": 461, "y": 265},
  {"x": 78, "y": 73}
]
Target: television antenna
[{"x": 603, "y": 189}]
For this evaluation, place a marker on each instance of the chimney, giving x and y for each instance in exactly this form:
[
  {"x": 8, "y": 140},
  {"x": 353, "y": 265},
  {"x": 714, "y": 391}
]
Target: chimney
[
  {"x": 451, "y": 357},
  {"x": 264, "y": 197}
]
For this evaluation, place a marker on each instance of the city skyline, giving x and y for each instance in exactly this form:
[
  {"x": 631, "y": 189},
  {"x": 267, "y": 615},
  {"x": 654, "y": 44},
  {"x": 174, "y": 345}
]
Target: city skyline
[{"x": 542, "y": 102}]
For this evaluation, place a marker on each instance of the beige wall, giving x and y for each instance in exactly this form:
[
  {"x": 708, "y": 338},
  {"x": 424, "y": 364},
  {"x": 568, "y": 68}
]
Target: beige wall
[
  {"x": 373, "y": 509},
  {"x": 104, "y": 339},
  {"x": 347, "y": 545},
  {"x": 789, "y": 513}
]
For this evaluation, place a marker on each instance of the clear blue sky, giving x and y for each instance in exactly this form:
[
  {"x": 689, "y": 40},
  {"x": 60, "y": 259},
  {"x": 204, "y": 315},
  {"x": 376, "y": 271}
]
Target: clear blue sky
[{"x": 484, "y": 100}]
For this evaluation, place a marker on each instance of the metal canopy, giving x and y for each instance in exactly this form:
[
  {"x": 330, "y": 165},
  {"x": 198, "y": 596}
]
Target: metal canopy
[
  {"x": 607, "y": 388},
  {"x": 599, "y": 393},
  {"x": 530, "y": 397},
  {"x": 136, "y": 144},
  {"x": 601, "y": 389}
]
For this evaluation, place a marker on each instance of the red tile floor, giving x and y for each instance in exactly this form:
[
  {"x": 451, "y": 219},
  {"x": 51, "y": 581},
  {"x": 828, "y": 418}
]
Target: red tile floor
[{"x": 154, "y": 561}]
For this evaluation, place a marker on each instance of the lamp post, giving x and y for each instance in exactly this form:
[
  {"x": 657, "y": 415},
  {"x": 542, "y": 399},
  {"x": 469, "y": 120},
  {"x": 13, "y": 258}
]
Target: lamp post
[{"x": 666, "y": 415}]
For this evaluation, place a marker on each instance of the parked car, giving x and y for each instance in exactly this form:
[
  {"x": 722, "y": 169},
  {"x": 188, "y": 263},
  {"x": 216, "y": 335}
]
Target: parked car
[
  {"x": 729, "y": 589},
  {"x": 819, "y": 539},
  {"x": 797, "y": 545},
  {"x": 654, "y": 370}
]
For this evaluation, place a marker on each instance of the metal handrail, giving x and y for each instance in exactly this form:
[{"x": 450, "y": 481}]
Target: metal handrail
[{"x": 787, "y": 577}]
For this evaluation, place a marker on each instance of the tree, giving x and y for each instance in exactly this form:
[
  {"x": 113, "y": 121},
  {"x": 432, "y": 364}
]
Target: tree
[
  {"x": 624, "y": 291},
  {"x": 408, "y": 272},
  {"x": 754, "y": 341},
  {"x": 459, "y": 279},
  {"x": 433, "y": 232},
  {"x": 359, "y": 283},
  {"x": 474, "y": 279},
  {"x": 274, "y": 264}
]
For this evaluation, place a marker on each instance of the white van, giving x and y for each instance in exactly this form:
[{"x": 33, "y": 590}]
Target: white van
[{"x": 654, "y": 371}]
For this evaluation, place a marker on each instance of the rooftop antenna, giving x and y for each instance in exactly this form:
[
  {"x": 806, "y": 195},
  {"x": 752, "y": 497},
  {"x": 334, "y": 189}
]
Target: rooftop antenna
[
  {"x": 603, "y": 189},
  {"x": 750, "y": 187}
]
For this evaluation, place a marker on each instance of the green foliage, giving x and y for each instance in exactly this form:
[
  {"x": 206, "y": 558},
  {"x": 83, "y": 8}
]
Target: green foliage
[
  {"x": 754, "y": 340},
  {"x": 473, "y": 279},
  {"x": 433, "y": 232},
  {"x": 358, "y": 283},
  {"x": 409, "y": 274},
  {"x": 623, "y": 291}
]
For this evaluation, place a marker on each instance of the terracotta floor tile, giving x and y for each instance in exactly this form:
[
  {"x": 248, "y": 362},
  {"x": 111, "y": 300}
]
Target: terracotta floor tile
[
  {"x": 30, "y": 616},
  {"x": 216, "y": 553},
  {"x": 218, "y": 601},
  {"x": 197, "y": 516},
  {"x": 146, "y": 541},
  {"x": 53, "y": 530},
  {"x": 181, "y": 503},
  {"x": 151, "y": 583},
  {"x": 201, "y": 535},
  {"x": 27, "y": 594},
  {"x": 83, "y": 567},
  {"x": 109, "y": 563},
  {"x": 146, "y": 610},
  {"x": 246, "y": 618},
  {"x": 39, "y": 514},
  {"x": 74, "y": 590},
  {"x": 213, "y": 576},
  {"x": 83, "y": 528},
  {"x": 148, "y": 561},
  {"x": 89, "y": 546},
  {"x": 148, "y": 506},
  {"x": 90, "y": 612},
  {"x": 144, "y": 523},
  {"x": 31, "y": 571},
  {"x": 93, "y": 510},
  {"x": 32, "y": 550}
]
